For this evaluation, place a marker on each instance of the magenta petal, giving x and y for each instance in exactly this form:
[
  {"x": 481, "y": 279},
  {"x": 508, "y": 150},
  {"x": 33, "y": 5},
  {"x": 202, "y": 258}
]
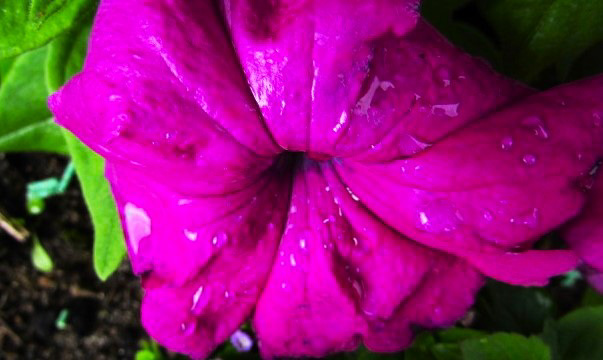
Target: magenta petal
[
  {"x": 149, "y": 101},
  {"x": 302, "y": 55},
  {"x": 478, "y": 197},
  {"x": 342, "y": 276},
  {"x": 585, "y": 235},
  {"x": 176, "y": 236},
  {"x": 204, "y": 259}
]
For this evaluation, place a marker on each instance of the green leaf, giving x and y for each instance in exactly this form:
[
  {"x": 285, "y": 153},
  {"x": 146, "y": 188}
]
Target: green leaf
[
  {"x": 109, "y": 248},
  {"x": 504, "y": 346},
  {"x": 65, "y": 58},
  {"x": 26, "y": 25},
  {"x": 441, "y": 14},
  {"x": 580, "y": 334},
  {"x": 25, "y": 123},
  {"x": 40, "y": 258},
  {"x": 539, "y": 34},
  {"x": 592, "y": 298},
  {"x": 502, "y": 307},
  {"x": 66, "y": 55}
]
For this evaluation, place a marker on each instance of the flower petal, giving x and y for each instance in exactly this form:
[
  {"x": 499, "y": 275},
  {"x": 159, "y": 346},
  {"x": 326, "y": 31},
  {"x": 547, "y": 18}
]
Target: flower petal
[
  {"x": 491, "y": 189},
  {"x": 152, "y": 95},
  {"x": 204, "y": 260},
  {"x": 175, "y": 236},
  {"x": 384, "y": 90},
  {"x": 341, "y": 275},
  {"x": 585, "y": 235}
]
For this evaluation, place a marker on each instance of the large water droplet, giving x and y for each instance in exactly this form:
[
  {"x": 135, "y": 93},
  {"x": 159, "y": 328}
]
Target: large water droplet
[
  {"x": 450, "y": 110},
  {"x": 220, "y": 239},
  {"x": 188, "y": 328},
  {"x": 529, "y": 159},
  {"x": 438, "y": 216},
  {"x": 506, "y": 143},
  {"x": 410, "y": 145},
  {"x": 536, "y": 124},
  {"x": 529, "y": 219},
  {"x": 487, "y": 215},
  {"x": 138, "y": 225},
  {"x": 443, "y": 75},
  {"x": 598, "y": 119},
  {"x": 201, "y": 299},
  {"x": 191, "y": 235}
]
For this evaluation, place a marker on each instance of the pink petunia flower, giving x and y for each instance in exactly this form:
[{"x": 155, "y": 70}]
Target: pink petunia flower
[{"x": 334, "y": 170}]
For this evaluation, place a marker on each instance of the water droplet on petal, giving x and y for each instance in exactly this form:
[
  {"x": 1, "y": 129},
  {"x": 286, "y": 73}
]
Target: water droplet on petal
[
  {"x": 188, "y": 328},
  {"x": 529, "y": 159},
  {"x": 438, "y": 216},
  {"x": 487, "y": 215},
  {"x": 191, "y": 235},
  {"x": 450, "y": 110},
  {"x": 410, "y": 145},
  {"x": 537, "y": 125},
  {"x": 302, "y": 243},
  {"x": 292, "y": 260},
  {"x": 507, "y": 143},
  {"x": 138, "y": 225},
  {"x": 220, "y": 239},
  {"x": 200, "y": 300},
  {"x": 530, "y": 219},
  {"x": 598, "y": 119},
  {"x": 443, "y": 75}
]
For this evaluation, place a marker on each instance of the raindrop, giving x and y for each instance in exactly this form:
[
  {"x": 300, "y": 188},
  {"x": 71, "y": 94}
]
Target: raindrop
[
  {"x": 191, "y": 235},
  {"x": 438, "y": 216},
  {"x": 410, "y": 145},
  {"x": 138, "y": 225},
  {"x": 450, "y": 110},
  {"x": 292, "y": 260},
  {"x": 200, "y": 300},
  {"x": 598, "y": 119},
  {"x": 507, "y": 143},
  {"x": 302, "y": 243},
  {"x": 443, "y": 75},
  {"x": 188, "y": 328},
  {"x": 529, "y": 159},
  {"x": 537, "y": 125},
  {"x": 220, "y": 239},
  {"x": 487, "y": 215},
  {"x": 293, "y": 209},
  {"x": 530, "y": 219}
]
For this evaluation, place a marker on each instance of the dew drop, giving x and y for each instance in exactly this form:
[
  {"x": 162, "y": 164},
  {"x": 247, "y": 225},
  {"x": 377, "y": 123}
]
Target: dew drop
[
  {"x": 443, "y": 75},
  {"x": 302, "y": 243},
  {"x": 487, "y": 215},
  {"x": 506, "y": 143},
  {"x": 537, "y": 125},
  {"x": 292, "y": 260},
  {"x": 438, "y": 216},
  {"x": 529, "y": 159},
  {"x": 530, "y": 219},
  {"x": 200, "y": 300},
  {"x": 220, "y": 239},
  {"x": 138, "y": 225},
  {"x": 450, "y": 110},
  {"x": 191, "y": 235},
  {"x": 188, "y": 328}
]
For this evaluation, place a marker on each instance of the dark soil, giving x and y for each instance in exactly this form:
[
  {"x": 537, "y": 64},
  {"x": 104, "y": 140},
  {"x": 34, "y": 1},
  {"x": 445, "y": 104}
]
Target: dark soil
[{"x": 103, "y": 318}]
